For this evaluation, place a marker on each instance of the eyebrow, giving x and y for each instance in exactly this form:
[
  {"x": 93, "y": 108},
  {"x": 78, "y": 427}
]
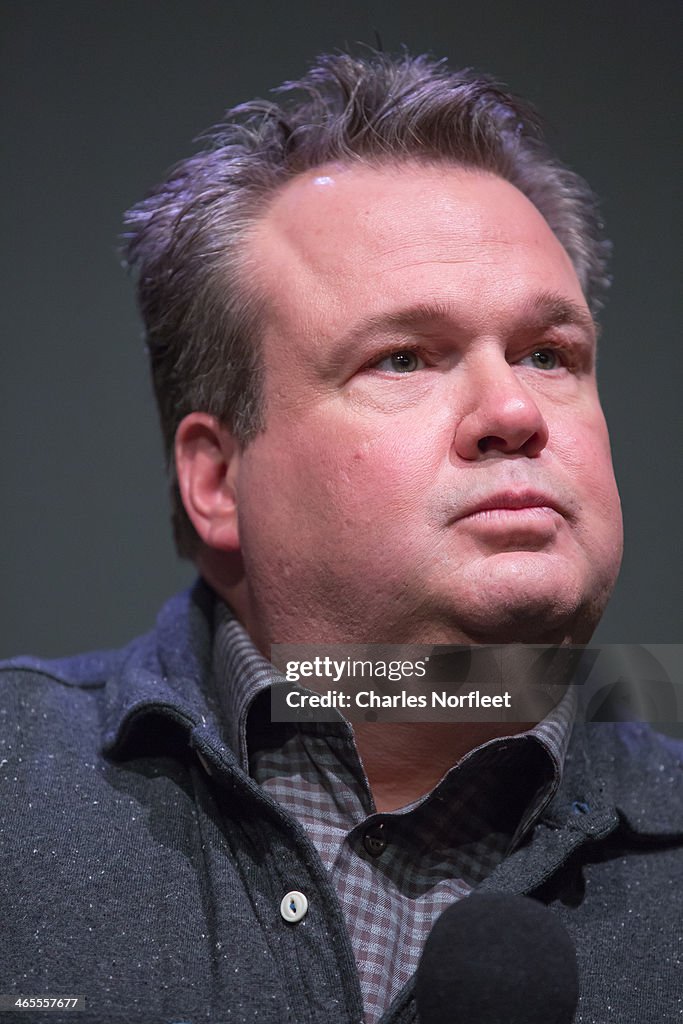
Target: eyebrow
[
  {"x": 542, "y": 310},
  {"x": 549, "y": 309}
]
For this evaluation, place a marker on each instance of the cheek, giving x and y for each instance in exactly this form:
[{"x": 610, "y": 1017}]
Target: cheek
[
  {"x": 385, "y": 477},
  {"x": 584, "y": 450},
  {"x": 582, "y": 443},
  {"x": 363, "y": 458}
]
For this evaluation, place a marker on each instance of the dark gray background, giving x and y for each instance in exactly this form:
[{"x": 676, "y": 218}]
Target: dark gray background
[{"x": 99, "y": 98}]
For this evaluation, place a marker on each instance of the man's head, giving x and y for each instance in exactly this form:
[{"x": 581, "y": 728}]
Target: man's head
[{"x": 368, "y": 316}]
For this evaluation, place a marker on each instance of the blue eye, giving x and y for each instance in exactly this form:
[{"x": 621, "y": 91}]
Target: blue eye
[
  {"x": 542, "y": 359},
  {"x": 404, "y": 361}
]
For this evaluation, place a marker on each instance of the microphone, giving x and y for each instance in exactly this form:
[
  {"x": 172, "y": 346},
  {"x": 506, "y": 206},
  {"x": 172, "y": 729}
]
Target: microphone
[{"x": 497, "y": 959}]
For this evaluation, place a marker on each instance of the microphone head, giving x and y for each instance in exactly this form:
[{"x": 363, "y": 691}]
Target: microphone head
[{"x": 497, "y": 959}]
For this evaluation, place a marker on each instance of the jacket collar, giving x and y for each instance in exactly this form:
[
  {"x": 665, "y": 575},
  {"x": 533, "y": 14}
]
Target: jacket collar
[
  {"x": 612, "y": 769},
  {"x": 165, "y": 675},
  {"x": 625, "y": 771}
]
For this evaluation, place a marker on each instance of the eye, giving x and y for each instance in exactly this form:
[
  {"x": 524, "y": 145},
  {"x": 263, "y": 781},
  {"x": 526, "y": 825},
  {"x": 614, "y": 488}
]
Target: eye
[
  {"x": 403, "y": 361},
  {"x": 542, "y": 359}
]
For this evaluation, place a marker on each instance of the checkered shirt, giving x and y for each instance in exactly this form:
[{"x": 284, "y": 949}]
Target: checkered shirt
[{"x": 394, "y": 872}]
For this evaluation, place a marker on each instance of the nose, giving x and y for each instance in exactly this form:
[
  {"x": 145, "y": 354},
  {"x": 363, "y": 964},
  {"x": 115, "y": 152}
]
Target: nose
[{"x": 501, "y": 415}]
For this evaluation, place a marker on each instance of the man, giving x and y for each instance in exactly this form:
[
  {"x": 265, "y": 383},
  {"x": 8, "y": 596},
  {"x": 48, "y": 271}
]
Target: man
[{"x": 370, "y": 319}]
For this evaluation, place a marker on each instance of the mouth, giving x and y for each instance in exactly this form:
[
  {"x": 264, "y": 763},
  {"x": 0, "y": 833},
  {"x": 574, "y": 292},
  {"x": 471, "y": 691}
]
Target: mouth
[{"x": 516, "y": 504}]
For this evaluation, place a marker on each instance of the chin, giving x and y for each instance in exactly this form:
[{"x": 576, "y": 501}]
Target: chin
[
  {"x": 528, "y": 624},
  {"x": 527, "y": 601}
]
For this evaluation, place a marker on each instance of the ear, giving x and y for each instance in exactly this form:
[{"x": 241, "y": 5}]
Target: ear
[{"x": 207, "y": 460}]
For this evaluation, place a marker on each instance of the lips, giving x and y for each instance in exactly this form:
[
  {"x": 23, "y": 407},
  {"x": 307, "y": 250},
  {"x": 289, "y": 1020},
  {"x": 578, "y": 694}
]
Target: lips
[{"x": 510, "y": 501}]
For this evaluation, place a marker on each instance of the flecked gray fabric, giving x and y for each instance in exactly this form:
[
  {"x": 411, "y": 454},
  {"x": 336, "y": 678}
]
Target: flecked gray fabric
[{"x": 150, "y": 881}]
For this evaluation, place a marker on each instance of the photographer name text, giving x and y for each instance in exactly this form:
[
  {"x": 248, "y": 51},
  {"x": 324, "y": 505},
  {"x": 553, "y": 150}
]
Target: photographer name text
[{"x": 369, "y": 699}]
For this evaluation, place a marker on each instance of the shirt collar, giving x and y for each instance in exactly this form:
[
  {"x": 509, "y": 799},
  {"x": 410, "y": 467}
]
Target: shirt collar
[{"x": 244, "y": 673}]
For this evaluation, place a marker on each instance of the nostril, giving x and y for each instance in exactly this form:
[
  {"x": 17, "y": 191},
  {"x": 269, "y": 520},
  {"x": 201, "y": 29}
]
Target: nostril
[
  {"x": 530, "y": 446},
  {"x": 487, "y": 443}
]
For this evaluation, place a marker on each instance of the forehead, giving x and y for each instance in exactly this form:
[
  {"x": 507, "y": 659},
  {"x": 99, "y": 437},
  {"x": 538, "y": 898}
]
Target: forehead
[{"x": 345, "y": 239}]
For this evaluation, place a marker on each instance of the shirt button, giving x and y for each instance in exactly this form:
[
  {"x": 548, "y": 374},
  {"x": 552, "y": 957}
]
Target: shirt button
[
  {"x": 294, "y": 906},
  {"x": 375, "y": 840}
]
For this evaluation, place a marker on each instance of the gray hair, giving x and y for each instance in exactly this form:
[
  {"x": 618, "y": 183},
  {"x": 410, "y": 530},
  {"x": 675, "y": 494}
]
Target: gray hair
[{"x": 187, "y": 238}]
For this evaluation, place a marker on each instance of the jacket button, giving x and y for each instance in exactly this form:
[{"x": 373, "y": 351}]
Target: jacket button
[{"x": 294, "y": 906}]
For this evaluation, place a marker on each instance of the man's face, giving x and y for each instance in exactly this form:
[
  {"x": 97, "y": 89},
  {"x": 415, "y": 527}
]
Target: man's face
[{"x": 435, "y": 464}]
